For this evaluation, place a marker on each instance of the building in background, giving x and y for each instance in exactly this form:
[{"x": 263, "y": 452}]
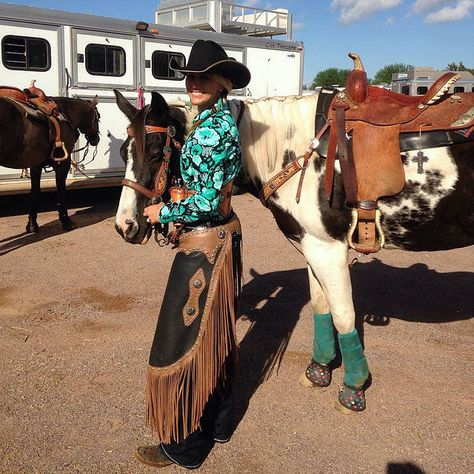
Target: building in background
[{"x": 418, "y": 80}]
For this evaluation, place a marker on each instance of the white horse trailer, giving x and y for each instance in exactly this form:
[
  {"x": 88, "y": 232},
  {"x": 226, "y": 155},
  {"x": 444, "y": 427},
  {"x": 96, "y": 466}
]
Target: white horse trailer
[{"x": 79, "y": 55}]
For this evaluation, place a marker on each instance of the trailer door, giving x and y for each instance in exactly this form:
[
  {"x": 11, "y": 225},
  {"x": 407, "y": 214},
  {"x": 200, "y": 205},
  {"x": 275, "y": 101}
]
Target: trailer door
[{"x": 103, "y": 61}]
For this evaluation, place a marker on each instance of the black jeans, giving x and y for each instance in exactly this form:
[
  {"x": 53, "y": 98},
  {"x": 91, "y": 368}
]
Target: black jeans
[{"x": 217, "y": 424}]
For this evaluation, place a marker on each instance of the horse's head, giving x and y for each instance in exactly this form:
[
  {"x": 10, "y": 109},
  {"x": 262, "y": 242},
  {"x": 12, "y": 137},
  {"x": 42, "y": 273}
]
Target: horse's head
[
  {"x": 88, "y": 123},
  {"x": 153, "y": 139}
]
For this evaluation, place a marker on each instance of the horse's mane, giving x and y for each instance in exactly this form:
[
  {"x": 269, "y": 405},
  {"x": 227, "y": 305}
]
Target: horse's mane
[
  {"x": 272, "y": 127},
  {"x": 282, "y": 98}
]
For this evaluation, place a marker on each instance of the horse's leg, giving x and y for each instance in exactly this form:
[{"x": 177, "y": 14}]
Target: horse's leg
[
  {"x": 328, "y": 262},
  {"x": 35, "y": 193},
  {"x": 61, "y": 170},
  {"x": 318, "y": 372}
]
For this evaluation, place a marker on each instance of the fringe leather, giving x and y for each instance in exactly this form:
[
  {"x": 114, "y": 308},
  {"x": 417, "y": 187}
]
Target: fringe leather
[{"x": 177, "y": 394}]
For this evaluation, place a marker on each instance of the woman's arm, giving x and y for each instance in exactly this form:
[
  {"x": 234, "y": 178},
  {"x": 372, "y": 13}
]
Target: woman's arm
[{"x": 215, "y": 159}]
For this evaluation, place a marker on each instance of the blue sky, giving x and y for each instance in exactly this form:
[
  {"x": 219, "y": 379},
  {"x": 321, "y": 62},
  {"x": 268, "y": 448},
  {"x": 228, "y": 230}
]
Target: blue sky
[{"x": 418, "y": 32}]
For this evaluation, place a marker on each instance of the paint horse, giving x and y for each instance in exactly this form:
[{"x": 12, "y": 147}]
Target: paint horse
[
  {"x": 32, "y": 137},
  {"x": 433, "y": 211}
]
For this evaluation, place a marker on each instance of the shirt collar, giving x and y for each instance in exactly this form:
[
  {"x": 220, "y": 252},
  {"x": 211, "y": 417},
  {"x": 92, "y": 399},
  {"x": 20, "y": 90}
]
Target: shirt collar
[{"x": 217, "y": 107}]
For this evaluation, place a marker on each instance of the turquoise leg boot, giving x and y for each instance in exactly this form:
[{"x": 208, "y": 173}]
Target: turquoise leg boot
[
  {"x": 318, "y": 372},
  {"x": 356, "y": 372}
]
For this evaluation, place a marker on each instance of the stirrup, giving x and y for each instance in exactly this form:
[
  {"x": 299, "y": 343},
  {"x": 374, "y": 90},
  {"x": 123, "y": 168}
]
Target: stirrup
[
  {"x": 378, "y": 241},
  {"x": 65, "y": 152}
]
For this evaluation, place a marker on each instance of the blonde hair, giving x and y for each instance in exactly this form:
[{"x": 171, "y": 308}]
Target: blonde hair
[{"x": 223, "y": 81}]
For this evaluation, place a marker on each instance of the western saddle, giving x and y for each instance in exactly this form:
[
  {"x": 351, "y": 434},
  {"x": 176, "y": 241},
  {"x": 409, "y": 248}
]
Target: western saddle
[
  {"x": 365, "y": 126},
  {"x": 33, "y": 102}
]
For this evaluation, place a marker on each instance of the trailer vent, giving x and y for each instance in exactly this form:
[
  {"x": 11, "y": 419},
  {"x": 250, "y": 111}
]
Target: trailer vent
[{"x": 26, "y": 53}]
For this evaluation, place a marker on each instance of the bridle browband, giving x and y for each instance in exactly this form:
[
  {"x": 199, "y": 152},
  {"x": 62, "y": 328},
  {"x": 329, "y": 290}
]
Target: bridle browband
[{"x": 160, "y": 181}]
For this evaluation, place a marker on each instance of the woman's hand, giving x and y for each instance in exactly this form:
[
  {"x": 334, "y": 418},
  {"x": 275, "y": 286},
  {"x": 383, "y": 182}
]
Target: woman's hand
[{"x": 152, "y": 213}]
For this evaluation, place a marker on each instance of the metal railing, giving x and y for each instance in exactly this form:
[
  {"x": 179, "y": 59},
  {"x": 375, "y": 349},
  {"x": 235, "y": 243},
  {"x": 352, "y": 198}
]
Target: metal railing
[{"x": 226, "y": 17}]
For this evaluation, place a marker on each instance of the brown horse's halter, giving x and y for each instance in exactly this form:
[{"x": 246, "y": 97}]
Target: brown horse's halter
[{"x": 159, "y": 187}]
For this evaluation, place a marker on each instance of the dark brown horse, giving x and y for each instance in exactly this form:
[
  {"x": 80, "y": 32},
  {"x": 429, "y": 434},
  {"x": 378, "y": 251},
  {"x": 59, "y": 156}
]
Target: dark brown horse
[{"x": 25, "y": 142}]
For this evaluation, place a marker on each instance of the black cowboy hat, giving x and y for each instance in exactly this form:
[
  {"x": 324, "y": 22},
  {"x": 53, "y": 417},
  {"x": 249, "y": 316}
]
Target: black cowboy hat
[{"x": 208, "y": 56}]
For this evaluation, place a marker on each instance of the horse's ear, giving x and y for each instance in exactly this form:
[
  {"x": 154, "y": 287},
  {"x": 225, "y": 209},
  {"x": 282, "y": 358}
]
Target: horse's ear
[
  {"x": 158, "y": 104},
  {"x": 95, "y": 100},
  {"x": 125, "y": 106}
]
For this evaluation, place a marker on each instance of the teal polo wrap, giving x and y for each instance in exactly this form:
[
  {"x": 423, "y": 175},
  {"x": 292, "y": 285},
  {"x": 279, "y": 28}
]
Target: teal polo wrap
[
  {"x": 324, "y": 345},
  {"x": 356, "y": 369}
]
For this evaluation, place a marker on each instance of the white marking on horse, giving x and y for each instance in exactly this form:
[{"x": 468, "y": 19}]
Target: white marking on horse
[{"x": 127, "y": 208}]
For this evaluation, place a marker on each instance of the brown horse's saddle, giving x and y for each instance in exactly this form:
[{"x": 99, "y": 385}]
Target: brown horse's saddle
[
  {"x": 365, "y": 126},
  {"x": 34, "y": 103}
]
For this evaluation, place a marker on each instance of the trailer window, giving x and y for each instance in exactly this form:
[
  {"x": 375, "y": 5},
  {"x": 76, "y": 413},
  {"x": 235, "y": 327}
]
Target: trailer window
[
  {"x": 406, "y": 90},
  {"x": 458, "y": 89},
  {"x": 420, "y": 90},
  {"x": 22, "y": 52},
  {"x": 105, "y": 60},
  {"x": 161, "y": 65}
]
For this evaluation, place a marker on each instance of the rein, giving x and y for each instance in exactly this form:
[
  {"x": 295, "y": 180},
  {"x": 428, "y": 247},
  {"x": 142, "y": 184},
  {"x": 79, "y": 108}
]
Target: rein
[{"x": 274, "y": 183}]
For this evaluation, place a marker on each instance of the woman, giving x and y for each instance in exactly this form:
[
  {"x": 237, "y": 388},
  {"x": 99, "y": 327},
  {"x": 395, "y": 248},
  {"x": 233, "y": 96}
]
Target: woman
[{"x": 193, "y": 355}]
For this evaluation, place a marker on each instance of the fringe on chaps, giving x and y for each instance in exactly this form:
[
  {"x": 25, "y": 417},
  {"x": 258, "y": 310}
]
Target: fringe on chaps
[{"x": 177, "y": 393}]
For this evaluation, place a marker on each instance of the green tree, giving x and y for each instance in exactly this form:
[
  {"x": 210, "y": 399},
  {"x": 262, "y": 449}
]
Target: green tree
[
  {"x": 458, "y": 67},
  {"x": 332, "y": 76},
  {"x": 385, "y": 74}
]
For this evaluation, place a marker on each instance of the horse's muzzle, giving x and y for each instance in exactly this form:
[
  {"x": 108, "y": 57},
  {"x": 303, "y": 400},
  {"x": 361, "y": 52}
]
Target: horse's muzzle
[
  {"x": 132, "y": 233},
  {"x": 94, "y": 140}
]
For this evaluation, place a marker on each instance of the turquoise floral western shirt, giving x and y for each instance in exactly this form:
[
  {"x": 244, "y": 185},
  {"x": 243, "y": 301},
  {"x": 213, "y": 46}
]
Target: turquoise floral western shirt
[{"x": 210, "y": 158}]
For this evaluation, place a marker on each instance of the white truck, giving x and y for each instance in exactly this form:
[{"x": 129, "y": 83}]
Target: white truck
[{"x": 81, "y": 55}]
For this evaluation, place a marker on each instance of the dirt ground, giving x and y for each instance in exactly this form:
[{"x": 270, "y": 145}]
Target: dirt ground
[{"x": 77, "y": 315}]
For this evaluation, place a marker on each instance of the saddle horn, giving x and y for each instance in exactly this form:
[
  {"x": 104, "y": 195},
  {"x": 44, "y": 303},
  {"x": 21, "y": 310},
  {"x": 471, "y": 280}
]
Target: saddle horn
[
  {"x": 356, "y": 82},
  {"x": 36, "y": 92}
]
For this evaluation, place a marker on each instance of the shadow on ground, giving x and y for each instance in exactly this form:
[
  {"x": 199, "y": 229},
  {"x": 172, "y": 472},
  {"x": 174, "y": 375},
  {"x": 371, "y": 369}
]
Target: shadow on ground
[
  {"x": 273, "y": 303},
  {"x": 417, "y": 293},
  {"x": 86, "y": 207}
]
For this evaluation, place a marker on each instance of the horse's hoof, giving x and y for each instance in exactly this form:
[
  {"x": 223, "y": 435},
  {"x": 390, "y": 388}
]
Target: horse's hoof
[
  {"x": 316, "y": 375},
  {"x": 68, "y": 224},
  {"x": 32, "y": 228},
  {"x": 350, "y": 401}
]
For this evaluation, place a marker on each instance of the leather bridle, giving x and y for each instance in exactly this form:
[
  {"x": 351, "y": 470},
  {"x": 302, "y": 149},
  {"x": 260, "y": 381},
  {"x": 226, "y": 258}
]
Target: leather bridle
[
  {"x": 85, "y": 131},
  {"x": 161, "y": 179}
]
